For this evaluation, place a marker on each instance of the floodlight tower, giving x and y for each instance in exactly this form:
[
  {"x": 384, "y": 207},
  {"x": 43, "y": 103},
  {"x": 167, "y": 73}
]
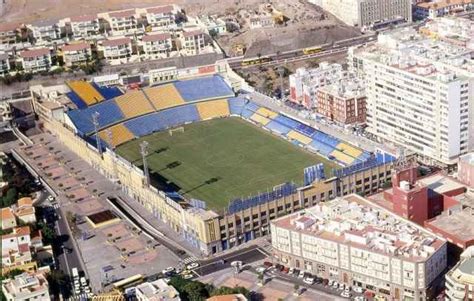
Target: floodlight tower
[
  {"x": 112, "y": 148},
  {"x": 95, "y": 121},
  {"x": 281, "y": 71},
  {"x": 144, "y": 152}
]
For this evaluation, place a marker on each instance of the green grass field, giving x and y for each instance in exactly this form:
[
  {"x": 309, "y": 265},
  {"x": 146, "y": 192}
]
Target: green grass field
[{"x": 221, "y": 159}]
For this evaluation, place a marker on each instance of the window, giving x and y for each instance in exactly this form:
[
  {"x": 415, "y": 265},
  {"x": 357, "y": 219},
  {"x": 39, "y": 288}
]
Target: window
[
  {"x": 280, "y": 208},
  {"x": 255, "y": 216},
  {"x": 272, "y": 211},
  {"x": 246, "y": 219}
]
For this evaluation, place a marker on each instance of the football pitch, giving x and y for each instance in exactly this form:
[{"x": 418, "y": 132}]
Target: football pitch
[{"x": 221, "y": 159}]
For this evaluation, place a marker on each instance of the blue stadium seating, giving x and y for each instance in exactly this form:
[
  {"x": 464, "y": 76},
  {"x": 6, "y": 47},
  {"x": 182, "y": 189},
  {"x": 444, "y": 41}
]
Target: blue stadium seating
[
  {"x": 305, "y": 130},
  {"x": 249, "y": 109},
  {"x": 76, "y": 100},
  {"x": 107, "y": 92},
  {"x": 325, "y": 138},
  {"x": 236, "y": 105},
  {"x": 278, "y": 127},
  {"x": 109, "y": 113},
  {"x": 203, "y": 88},
  {"x": 286, "y": 121},
  {"x": 148, "y": 124},
  {"x": 321, "y": 147}
]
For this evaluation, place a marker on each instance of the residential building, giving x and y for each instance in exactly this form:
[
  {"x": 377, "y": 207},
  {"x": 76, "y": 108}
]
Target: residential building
[
  {"x": 466, "y": 169},
  {"x": 156, "y": 45},
  {"x": 453, "y": 30},
  {"x": 116, "y": 48},
  {"x": 358, "y": 243},
  {"x": 215, "y": 26},
  {"x": 8, "y": 218},
  {"x": 191, "y": 42},
  {"x": 16, "y": 253},
  {"x": 9, "y": 32},
  {"x": 4, "y": 63},
  {"x": 34, "y": 60},
  {"x": 156, "y": 290},
  {"x": 76, "y": 54},
  {"x": 84, "y": 26},
  {"x": 231, "y": 297},
  {"x": 121, "y": 22},
  {"x": 439, "y": 8},
  {"x": 26, "y": 286},
  {"x": 368, "y": 12},
  {"x": 460, "y": 279},
  {"x": 343, "y": 101},
  {"x": 24, "y": 211},
  {"x": 161, "y": 17},
  {"x": 419, "y": 94},
  {"x": 44, "y": 30},
  {"x": 261, "y": 21},
  {"x": 305, "y": 82}
]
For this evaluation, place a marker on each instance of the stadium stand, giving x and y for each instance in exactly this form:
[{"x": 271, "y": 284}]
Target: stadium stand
[
  {"x": 343, "y": 158},
  {"x": 164, "y": 96},
  {"x": 267, "y": 113},
  {"x": 249, "y": 109},
  {"x": 210, "y": 87},
  {"x": 325, "y": 138},
  {"x": 288, "y": 122},
  {"x": 350, "y": 150},
  {"x": 109, "y": 113},
  {"x": 322, "y": 148},
  {"x": 213, "y": 109},
  {"x": 260, "y": 119},
  {"x": 108, "y": 92},
  {"x": 236, "y": 105},
  {"x": 299, "y": 137},
  {"x": 134, "y": 103},
  {"x": 76, "y": 100},
  {"x": 277, "y": 127},
  {"x": 85, "y": 91},
  {"x": 120, "y": 134},
  {"x": 305, "y": 130},
  {"x": 169, "y": 118}
]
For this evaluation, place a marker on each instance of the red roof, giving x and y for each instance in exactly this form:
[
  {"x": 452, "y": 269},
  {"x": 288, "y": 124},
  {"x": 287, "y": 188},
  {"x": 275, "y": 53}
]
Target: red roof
[
  {"x": 34, "y": 52},
  {"x": 116, "y": 42},
  {"x": 156, "y": 37},
  {"x": 160, "y": 9},
  {"x": 5, "y": 27},
  {"x": 84, "y": 18},
  {"x": 23, "y": 248},
  {"x": 192, "y": 33},
  {"x": 122, "y": 14},
  {"x": 76, "y": 47}
]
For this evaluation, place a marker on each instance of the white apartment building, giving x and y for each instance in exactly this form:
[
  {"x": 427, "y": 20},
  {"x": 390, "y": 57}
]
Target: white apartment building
[
  {"x": 368, "y": 12},
  {"x": 191, "y": 41},
  {"x": 305, "y": 82},
  {"x": 45, "y": 30},
  {"x": 83, "y": 26},
  {"x": 156, "y": 290},
  {"x": 156, "y": 46},
  {"x": 460, "y": 279},
  {"x": 4, "y": 63},
  {"x": 420, "y": 94},
  {"x": 457, "y": 31},
  {"x": 9, "y": 32},
  {"x": 116, "y": 49},
  {"x": 161, "y": 17},
  {"x": 74, "y": 54},
  {"x": 35, "y": 60},
  {"x": 353, "y": 241},
  {"x": 438, "y": 8},
  {"x": 122, "y": 22},
  {"x": 25, "y": 287}
]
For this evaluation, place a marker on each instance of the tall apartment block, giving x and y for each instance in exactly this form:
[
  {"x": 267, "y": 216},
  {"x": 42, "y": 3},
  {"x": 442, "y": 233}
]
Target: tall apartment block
[
  {"x": 355, "y": 242},
  {"x": 420, "y": 94}
]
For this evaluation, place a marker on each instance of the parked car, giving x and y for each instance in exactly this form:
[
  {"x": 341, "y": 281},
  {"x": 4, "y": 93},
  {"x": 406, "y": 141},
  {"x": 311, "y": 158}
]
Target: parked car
[
  {"x": 279, "y": 267},
  {"x": 296, "y": 272},
  {"x": 309, "y": 280},
  {"x": 301, "y": 274},
  {"x": 168, "y": 270},
  {"x": 358, "y": 289},
  {"x": 268, "y": 264},
  {"x": 291, "y": 271},
  {"x": 345, "y": 294},
  {"x": 261, "y": 269},
  {"x": 285, "y": 270},
  {"x": 192, "y": 265}
]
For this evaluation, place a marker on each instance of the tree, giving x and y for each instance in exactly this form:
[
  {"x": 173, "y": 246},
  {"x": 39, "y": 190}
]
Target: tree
[
  {"x": 56, "y": 279},
  {"x": 196, "y": 291},
  {"x": 260, "y": 278},
  {"x": 10, "y": 197},
  {"x": 49, "y": 234},
  {"x": 224, "y": 290}
]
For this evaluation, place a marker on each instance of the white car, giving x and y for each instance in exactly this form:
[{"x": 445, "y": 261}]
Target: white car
[
  {"x": 188, "y": 276},
  {"x": 301, "y": 274},
  {"x": 192, "y": 265},
  {"x": 261, "y": 269},
  {"x": 345, "y": 294},
  {"x": 168, "y": 270},
  {"x": 309, "y": 280},
  {"x": 50, "y": 198},
  {"x": 358, "y": 289},
  {"x": 83, "y": 281},
  {"x": 335, "y": 285}
]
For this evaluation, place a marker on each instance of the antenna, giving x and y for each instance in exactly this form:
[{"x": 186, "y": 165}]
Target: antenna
[
  {"x": 95, "y": 121},
  {"x": 144, "y": 152}
]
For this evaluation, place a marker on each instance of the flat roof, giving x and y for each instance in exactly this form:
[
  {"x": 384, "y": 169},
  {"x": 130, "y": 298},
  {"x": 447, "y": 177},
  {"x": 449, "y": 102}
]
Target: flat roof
[
  {"x": 440, "y": 183},
  {"x": 102, "y": 217}
]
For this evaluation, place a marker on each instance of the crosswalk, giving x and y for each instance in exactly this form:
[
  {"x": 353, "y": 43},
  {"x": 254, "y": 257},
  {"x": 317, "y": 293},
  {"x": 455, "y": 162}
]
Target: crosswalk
[
  {"x": 190, "y": 259},
  {"x": 80, "y": 297},
  {"x": 56, "y": 206}
]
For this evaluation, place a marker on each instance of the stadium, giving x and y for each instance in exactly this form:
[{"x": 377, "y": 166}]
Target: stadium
[{"x": 221, "y": 167}]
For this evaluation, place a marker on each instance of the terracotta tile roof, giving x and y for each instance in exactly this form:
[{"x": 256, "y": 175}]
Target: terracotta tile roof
[
  {"x": 34, "y": 52},
  {"x": 25, "y": 211},
  {"x": 160, "y": 9},
  {"x": 116, "y": 42},
  {"x": 84, "y": 18},
  {"x": 75, "y": 47},
  {"x": 25, "y": 201},
  {"x": 25, "y": 230},
  {"x": 23, "y": 248},
  {"x": 192, "y": 33},
  {"x": 7, "y": 214},
  {"x": 122, "y": 14},
  {"x": 5, "y": 27},
  {"x": 156, "y": 37}
]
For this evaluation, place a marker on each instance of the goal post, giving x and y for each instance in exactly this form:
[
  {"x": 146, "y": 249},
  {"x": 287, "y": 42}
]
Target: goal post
[{"x": 178, "y": 130}]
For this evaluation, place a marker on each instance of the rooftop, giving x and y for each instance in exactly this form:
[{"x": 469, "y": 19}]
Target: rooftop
[
  {"x": 358, "y": 222},
  {"x": 32, "y": 53},
  {"x": 116, "y": 42},
  {"x": 468, "y": 158},
  {"x": 160, "y": 9},
  {"x": 83, "y": 18},
  {"x": 7, "y": 213},
  {"x": 158, "y": 289},
  {"x": 463, "y": 272},
  {"x": 442, "y": 4},
  {"x": 75, "y": 47},
  {"x": 122, "y": 14},
  {"x": 156, "y": 37},
  {"x": 441, "y": 183}
]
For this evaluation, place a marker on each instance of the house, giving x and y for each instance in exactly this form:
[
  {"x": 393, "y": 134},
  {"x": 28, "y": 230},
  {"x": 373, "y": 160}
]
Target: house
[
  {"x": 25, "y": 212},
  {"x": 35, "y": 60},
  {"x": 116, "y": 48},
  {"x": 261, "y": 21},
  {"x": 16, "y": 252},
  {"x": 75, "y": 54},
  {"x": 9, "y": 32},
  {"x": 191, "y": 42},
  {"x": 4, "y": 63},
  {"x": 44, "y": 30},
  {"x": 160, "y": 17},
  {"x": 156, "y": 290},
  {"x": 156, "y": 46},
  {"x": 121, "y": 22},
  {"x": 84, "y": 26},
  {"x": 27, "y": 286},
  {"x": 8, "y": 218}
]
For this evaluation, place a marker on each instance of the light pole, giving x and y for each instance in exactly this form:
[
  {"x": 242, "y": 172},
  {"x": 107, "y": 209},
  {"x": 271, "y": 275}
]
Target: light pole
[
  {"x": 144, "y": 152},
  {"x": 281, "y": 71},
  {"x": 112, "y": 148},
  {"x": 95, "y": 121}
]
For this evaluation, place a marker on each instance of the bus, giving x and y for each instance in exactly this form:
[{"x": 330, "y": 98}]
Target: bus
[
  {"x": 312, "y": 50},
  {"x": 128, "y": 282},
  {"x": 256, "y": 61}
]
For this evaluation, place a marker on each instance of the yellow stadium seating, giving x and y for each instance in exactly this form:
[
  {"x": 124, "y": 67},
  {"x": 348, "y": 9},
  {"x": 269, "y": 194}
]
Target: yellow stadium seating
[
  {"x": 342, "y": 157},
  {"x": 299, "y": 137},
  {"x": 350, "y": 150},
  {"x": 134, "y": 103},
  {"x": 86, "y": 92},
  {"x": 260, "y": 119},
  {"x": 164, "y": 96},
  {"x": 213, "y": 109},
  {"x": 267, "y": 113},
  {"x": 120, "y": 134}
]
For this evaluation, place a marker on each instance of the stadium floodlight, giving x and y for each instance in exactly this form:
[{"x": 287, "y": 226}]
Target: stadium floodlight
[
  {"x": 281, "y": 71},
  {"x": 112, "y": 148},
  {"x": 95, "y": 121},
  {"x": 144, "y": 152}
]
